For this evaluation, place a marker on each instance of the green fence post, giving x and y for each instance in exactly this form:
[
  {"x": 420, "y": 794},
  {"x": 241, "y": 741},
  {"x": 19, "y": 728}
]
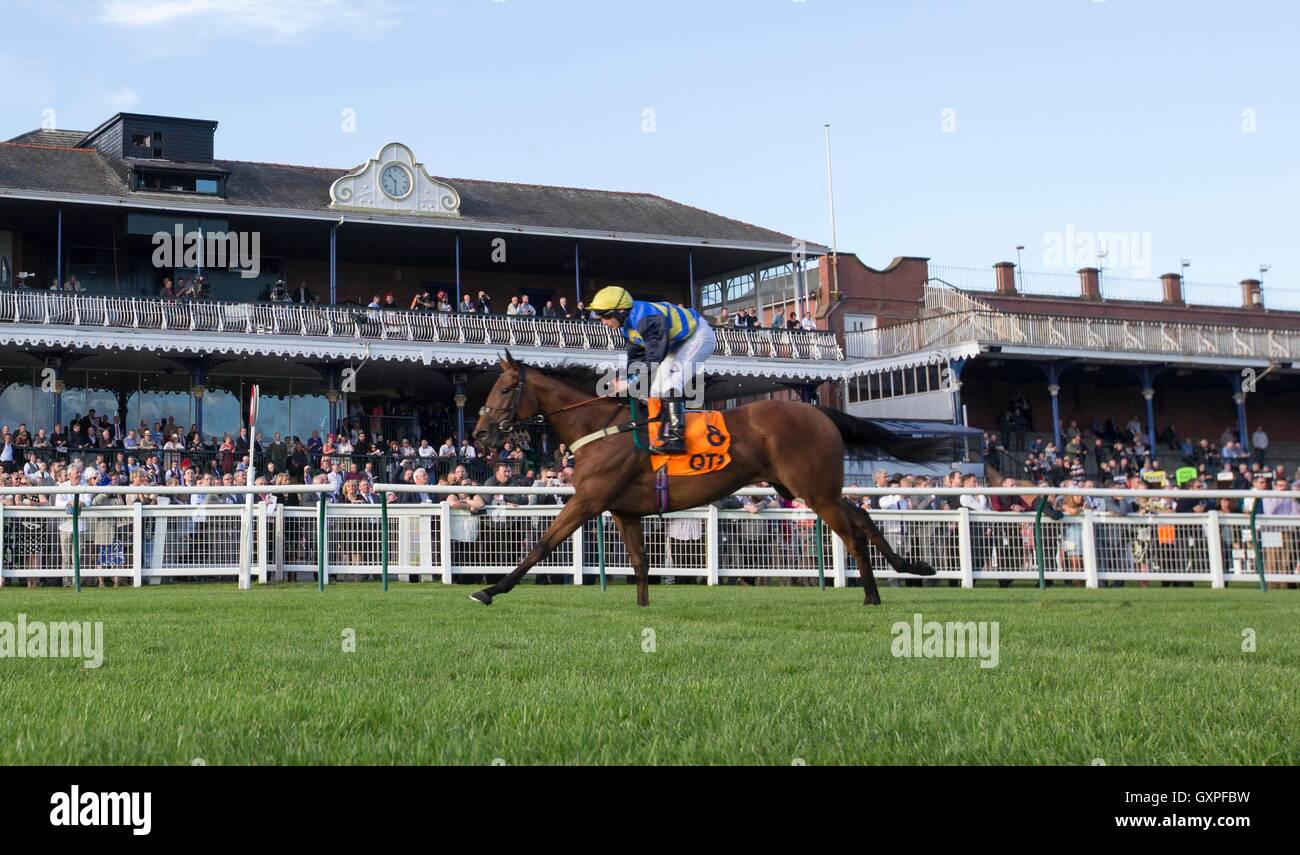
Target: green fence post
[
  {"x": 1038, "y": 542},
  {"x": 1255, "y": 545},
  {"x": 320, "y": 543},
  {"x": 76, "y": 540},
  {"x": 600, "y": 547},
  {"x": 383, "y": 535},
  {"x": 821, "y": 557}
]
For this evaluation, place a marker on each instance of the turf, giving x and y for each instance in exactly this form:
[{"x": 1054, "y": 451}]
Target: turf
[{"x": 775, "y": 675}]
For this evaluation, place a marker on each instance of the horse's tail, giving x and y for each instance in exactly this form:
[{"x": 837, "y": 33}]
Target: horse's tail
[{"x": 865, "y": 438}]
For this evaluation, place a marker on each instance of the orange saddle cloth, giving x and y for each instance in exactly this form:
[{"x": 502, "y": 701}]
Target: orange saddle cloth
[{"x": 708, "y": 443}]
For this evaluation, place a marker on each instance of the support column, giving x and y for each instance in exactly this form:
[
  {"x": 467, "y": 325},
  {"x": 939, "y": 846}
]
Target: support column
[
  {"x": 56, "y": 388},
  {"x": 332, "y": 395},
  {"x": 955, "y": 367},
  {"x": 457, "y": 303},
  {"x": 1239, "y": 399},
  {"x": 690, "y": 275},
  {"x": 198, "y": 388},
  {"x": 334, "y": 269},
  {"x": 577, "y": 276},
  {"x": 460, "y": 415},
  {"x": 1149, "y": 394},
  {"x": 1053, "y": 372},
  {"x": 58, "y": 248}
]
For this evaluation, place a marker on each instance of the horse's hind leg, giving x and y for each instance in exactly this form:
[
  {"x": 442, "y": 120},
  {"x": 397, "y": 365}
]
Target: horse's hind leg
[
  {"x": 629, "y": 527},
  {"x": 877, "y": 539},
  {"x": 841, "y": 521}
]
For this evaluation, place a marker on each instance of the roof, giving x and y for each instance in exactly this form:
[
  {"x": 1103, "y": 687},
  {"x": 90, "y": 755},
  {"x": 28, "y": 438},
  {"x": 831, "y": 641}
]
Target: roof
[
  {"x": 47, "y": 136},
  {"x": 44, "y": 162}
]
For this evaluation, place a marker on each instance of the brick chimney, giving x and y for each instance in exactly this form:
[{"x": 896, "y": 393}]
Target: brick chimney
[
  {"x": 1172, "y": 286},
  {"x": 1251, "y": 295},
  {"x": 1090, "y": 283},
  {"x": 1005, "y": 274}
]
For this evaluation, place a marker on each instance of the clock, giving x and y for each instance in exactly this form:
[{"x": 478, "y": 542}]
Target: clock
[{"x": 395, "y": 179}]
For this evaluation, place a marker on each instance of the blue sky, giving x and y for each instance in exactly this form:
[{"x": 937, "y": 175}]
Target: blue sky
[{"x": 961, "y": 129}]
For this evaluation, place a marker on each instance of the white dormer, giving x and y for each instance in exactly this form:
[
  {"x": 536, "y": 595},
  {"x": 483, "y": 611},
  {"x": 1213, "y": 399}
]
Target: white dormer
[{"x": 392, "y": 181}]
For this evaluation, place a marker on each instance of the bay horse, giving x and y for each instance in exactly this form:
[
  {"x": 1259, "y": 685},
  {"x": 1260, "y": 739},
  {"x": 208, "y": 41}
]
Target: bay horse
[{"x": 797, "y": 448}]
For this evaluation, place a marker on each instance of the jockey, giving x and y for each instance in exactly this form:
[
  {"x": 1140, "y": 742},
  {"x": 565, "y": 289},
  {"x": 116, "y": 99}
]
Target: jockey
[{"x": 671, "y": 340}]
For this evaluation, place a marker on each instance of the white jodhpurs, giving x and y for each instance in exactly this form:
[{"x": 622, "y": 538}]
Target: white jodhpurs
[{"x": 679, "y": 375}]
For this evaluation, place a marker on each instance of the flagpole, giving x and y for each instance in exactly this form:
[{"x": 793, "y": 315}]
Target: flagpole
[{"x": 835, "y": 256}]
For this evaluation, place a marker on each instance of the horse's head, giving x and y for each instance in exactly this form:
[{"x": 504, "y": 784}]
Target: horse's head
[{"x": 510, "y": 402}]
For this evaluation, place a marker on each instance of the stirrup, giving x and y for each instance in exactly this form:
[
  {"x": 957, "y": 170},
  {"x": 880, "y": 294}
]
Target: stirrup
[{"x": 672, "y": 434}]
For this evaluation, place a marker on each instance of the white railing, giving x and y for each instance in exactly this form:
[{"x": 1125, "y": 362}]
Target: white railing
[
  {"x": 1062, "y": 332},
  {"x": 147, "y": 543},
  {"x": 82, "y": 310}
]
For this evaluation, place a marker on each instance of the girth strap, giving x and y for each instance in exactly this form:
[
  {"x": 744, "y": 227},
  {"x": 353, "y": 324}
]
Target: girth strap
[{"x": 612, "y": 430}]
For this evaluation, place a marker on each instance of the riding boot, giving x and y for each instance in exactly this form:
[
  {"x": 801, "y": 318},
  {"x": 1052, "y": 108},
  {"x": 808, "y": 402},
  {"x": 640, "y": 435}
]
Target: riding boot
[{"x": 672, "y": 434}]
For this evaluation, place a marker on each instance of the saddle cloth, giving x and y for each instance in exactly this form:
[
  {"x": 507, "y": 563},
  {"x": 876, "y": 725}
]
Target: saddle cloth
[{"x": 708, "y": 444}]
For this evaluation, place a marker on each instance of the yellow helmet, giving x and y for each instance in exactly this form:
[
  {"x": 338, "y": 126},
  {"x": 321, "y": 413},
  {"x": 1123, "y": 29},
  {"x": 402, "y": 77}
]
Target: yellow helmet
[{"x": 611, "y": 299}]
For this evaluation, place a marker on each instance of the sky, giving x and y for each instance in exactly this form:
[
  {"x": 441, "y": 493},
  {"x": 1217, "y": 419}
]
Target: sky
[{"x": 959, "y": 129}]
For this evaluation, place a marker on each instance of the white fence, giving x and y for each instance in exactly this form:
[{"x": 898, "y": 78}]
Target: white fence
[{"x": 431, "y": 540}]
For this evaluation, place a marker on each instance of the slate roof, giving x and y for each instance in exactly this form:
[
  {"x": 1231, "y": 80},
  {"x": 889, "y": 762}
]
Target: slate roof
[{"x": 46, "y": 161}]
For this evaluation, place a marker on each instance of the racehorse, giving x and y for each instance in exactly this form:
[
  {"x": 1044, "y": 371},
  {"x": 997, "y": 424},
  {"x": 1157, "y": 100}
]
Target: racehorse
[{"x": 798, "y": 448}]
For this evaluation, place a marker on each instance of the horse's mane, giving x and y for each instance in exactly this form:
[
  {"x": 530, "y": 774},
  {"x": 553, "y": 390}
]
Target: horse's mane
[{"x": 581, "y": 377}]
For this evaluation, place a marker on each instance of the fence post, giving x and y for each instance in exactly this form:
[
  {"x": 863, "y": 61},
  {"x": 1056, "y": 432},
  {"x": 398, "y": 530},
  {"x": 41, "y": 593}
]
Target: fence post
[
  {"x": 578, "y": 556},
  {"x": 263, "y": 527},
  {"x": 2, "y": 546},
  {"x": 76, "y": 541},
  {"x": 965, "y": 554},
  {"x": 444, "y": 541},
  {"x": 600, "y": 547},
  {"x": 1089, "y": 550},
  {"x": 711, "y": 542},
  {"x": 383, "y": 536},
  {"x": 1214, "y": 538},
  {"x": 821, "y": 554},
  {"x": 137, "y": 544},
  {"x": 1255, "y": 545},
  {"x": 404, "y": 524},
  {"x": 320, "y": 543},
  {"x": 279, "y": 542},
  {"x": 839, "y": 562},
  {"x": 1039, "y": 557}
]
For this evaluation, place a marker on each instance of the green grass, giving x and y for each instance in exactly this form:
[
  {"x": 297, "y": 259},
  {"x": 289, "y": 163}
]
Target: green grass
[{"x": 740, "y": 675}]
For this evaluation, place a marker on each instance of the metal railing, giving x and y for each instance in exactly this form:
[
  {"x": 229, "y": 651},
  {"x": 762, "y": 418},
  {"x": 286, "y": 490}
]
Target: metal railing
[
  {"x": 1112, "y": 286},
  {"x": 83, "y": 310},
  {"x": 410, "y": 534},
  {"x": 1063, "y": 332}
]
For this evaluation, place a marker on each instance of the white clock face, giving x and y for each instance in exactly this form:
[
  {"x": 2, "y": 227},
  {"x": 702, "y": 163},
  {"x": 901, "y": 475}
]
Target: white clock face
[{"x": 396, "y": 181}]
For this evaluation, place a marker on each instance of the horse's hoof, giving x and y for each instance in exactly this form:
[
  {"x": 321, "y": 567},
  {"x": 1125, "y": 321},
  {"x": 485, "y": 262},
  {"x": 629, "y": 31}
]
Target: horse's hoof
[
  {"x": 872, "y": 600},
  {"x": 920, "y": 568},
  {"x": 483, "y": 598}
]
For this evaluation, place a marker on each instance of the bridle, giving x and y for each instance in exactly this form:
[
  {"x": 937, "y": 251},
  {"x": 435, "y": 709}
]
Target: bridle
[{"x": 512, "y": 423}]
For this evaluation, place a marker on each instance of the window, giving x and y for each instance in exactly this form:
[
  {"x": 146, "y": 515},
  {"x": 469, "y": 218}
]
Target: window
[
  {"x": 207, "y": 185},
  {"x": 141, "y": 141},
  {"x": 173, "y": 182}
]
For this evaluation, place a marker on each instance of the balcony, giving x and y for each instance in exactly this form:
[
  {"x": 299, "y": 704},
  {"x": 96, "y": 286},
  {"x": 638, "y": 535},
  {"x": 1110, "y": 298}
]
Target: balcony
[
  {"x": 965, "y": 320},
  {"x": 341, "y": 323}
]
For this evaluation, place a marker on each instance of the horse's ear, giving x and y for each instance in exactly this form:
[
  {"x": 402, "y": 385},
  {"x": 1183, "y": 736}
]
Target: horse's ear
[
  {"x": 505, "y": 361},
  {"x": 510, "y": 361}
]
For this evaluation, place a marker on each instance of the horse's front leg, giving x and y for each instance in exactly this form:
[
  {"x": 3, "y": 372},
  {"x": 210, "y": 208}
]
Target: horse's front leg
[{"x": 562, "y": 527}]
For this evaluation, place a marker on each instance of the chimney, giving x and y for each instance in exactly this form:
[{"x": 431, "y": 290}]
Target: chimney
[
  {"x": 1251, "y": 295},
  {"x": 1172, "y": 286},
  {"x": 1090, "y": 282},
  {"x": 1005, "y": 274}
]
